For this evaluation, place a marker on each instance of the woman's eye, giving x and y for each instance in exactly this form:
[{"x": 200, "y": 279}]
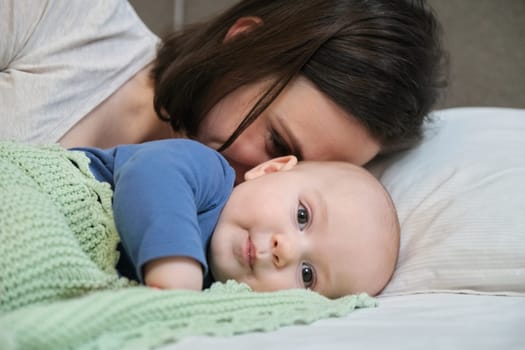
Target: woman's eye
[
  {"x": 303, "y": 217},
  {"x": 307, "y": 275},
  {"x": 278, "y": 146}
]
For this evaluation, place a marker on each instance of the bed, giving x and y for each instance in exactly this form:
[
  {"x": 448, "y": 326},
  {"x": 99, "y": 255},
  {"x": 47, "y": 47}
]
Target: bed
[
  {"x": 418, "y": 321},
  {"x": 459, "y": 280},
  {"x": 460, "y": 277}
]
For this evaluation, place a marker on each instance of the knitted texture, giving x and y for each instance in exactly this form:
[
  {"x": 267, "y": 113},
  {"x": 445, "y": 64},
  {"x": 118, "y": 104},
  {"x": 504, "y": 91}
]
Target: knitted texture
[
  {"x": 57, "y": 233},
  {"x": 59, "y": 288},
  {"x": 144, "y": 318}
]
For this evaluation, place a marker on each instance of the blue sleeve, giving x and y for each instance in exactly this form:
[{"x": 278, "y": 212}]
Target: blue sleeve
[{"x": 160, "y": 190}]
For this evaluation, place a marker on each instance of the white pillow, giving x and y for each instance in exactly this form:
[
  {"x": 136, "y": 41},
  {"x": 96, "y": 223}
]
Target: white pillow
[{"x": 460, "y": 197}]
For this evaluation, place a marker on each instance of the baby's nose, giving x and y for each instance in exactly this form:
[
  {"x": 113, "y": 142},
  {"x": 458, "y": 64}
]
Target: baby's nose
[{"x": 283, "y": 250}]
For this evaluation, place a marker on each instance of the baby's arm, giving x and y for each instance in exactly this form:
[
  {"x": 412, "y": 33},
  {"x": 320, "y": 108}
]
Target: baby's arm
[
  {"x": 167, "y": 197},
  {"x": 174, "y": 273}
]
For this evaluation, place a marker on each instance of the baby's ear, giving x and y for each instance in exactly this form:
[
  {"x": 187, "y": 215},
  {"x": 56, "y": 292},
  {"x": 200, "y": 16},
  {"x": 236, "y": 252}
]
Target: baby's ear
[{"x": 271, "y": 166}]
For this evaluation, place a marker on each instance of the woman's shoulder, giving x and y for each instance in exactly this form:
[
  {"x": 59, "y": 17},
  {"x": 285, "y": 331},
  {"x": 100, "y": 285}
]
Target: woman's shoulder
[
  {"x": 59, "y": 27},
  {"x": 70, "y": 49}
]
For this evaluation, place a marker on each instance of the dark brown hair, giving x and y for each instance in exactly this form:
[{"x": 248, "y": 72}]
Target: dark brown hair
[{"x": 380, "y": 60}]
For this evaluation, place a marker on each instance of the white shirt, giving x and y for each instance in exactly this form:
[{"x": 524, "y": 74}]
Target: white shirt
[{"x": 59, "y": 59}]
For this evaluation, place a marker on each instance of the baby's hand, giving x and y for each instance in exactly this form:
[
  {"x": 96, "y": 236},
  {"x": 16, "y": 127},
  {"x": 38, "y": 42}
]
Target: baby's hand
[{"x": 174, "y": 273}]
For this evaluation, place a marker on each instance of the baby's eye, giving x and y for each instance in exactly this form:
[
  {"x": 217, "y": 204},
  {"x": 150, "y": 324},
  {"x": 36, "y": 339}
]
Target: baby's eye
[
  {"x": 303, "y": 217},
  {"x": 307, "y": 275}
]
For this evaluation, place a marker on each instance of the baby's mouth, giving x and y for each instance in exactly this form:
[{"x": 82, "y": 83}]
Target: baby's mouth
[{"x": 251, "y": 253}]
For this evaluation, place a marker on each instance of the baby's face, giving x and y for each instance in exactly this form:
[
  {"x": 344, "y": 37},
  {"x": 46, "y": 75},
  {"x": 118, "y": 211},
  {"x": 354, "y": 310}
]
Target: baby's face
[{"x": 328, "y": 227}]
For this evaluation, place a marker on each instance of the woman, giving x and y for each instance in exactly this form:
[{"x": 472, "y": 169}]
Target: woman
[{"x": 323, "y": 80}]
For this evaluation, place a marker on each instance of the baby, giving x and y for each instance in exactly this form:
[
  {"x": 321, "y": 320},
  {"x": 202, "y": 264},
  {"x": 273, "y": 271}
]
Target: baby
[{"x": 326, "y": 226}]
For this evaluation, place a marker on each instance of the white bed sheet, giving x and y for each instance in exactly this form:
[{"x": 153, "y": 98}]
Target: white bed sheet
[{"x": 417, "y": 321}]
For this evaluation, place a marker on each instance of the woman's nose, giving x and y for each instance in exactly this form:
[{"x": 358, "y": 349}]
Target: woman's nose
[{"x": 283, "y": 250}]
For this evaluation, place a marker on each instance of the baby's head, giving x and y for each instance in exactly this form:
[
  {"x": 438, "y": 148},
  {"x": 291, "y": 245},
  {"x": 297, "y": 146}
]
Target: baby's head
[{"x": 327, "y": 226}]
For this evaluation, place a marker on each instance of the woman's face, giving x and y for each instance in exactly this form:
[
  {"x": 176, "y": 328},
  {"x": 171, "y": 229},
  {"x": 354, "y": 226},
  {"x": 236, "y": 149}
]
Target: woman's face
[{"x": 301, "y": 121}]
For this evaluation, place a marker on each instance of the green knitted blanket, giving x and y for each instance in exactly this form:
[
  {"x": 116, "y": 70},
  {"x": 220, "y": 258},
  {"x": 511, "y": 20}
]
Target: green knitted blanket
[{"x": 59, "y": 288}]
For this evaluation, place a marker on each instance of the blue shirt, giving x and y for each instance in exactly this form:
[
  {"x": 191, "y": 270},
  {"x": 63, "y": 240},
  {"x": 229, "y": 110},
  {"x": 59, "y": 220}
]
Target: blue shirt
[{"x": 168, "y": 195}]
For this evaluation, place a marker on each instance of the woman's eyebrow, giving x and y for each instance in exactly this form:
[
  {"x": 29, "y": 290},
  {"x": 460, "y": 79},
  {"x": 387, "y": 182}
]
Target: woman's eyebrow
[{"x": 289, "y": 135}]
